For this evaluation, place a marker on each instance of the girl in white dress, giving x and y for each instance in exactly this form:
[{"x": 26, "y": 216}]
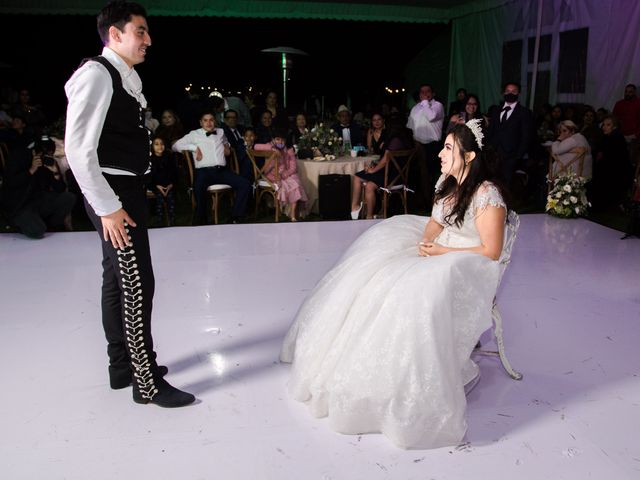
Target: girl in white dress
[{"x": 383, "y": 342}]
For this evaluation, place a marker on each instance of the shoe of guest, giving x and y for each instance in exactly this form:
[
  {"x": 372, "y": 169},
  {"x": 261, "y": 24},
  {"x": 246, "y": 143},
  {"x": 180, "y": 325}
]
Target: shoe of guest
[
  {"x": 165, "y": 395},
  {"x": 355, "y": 214}
]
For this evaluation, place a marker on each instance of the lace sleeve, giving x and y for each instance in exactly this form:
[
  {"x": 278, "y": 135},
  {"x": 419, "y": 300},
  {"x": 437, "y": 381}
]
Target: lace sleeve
[
  {"x": 437, "y": 212},
  {"x": 487, "y": 194}
]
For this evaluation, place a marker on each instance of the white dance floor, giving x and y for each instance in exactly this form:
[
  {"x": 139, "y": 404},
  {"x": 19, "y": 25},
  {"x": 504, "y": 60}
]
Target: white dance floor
[{"x": 225, "y": 296}]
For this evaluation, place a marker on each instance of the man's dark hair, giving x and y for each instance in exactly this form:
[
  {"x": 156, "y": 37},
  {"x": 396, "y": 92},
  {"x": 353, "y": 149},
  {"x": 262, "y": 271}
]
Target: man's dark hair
[
  {"x": 630, "y": 85},
  {"x": 118, "y": 14},
  {"x": 511, "y": 83}
]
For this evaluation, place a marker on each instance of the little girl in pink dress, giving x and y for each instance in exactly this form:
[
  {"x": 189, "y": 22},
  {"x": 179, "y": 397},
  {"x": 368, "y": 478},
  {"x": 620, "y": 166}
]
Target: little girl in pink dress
[{"x": 291, "y": 193}]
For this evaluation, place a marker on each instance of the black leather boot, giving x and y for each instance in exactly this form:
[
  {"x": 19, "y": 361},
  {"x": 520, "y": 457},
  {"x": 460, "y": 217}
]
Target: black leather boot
[
  {"x": 161, "y": 393},
  {"x": 122, "y": 378}
]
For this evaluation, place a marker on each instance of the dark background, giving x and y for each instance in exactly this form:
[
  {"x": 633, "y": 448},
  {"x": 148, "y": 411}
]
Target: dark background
[{"x": 347, "y": 60}]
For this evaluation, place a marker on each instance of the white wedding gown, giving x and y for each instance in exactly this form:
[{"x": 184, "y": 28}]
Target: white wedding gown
[{"x": 383, "y": 342}]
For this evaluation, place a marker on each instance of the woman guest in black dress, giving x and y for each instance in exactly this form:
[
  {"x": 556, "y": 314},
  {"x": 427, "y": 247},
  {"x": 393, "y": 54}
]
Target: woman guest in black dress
[
  {"x": 372, "y": 177},
  {"x": 377, "y": 134}
]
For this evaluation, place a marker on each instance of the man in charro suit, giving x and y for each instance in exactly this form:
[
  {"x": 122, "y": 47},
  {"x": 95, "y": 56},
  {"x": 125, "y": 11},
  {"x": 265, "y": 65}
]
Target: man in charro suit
[{"x": 107, "y": 147}]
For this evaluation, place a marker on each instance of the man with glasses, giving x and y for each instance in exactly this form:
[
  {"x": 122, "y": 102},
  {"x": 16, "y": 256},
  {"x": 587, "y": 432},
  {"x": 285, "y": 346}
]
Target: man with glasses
[{"x": 235, "y": 134}]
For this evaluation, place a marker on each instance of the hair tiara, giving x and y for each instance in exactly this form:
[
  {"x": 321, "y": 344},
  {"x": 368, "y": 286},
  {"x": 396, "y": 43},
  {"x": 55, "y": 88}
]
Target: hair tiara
[{"x": 476, "y": 129}]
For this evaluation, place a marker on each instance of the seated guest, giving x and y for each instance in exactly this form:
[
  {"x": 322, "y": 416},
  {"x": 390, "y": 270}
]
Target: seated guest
[
  {"x": 279, "y": 117},
  {"x": 291, "y": 193},
  {"x": 376, "y": 135},
  {"x": 293, "y": 137},
  {"x": 34, "y": 195},
  {"x": 234, "y": 134},
  {"x": 372, "y": 177},
  {"x": 32, "y": 114},
  {"x": 211, "y": 148},
  {"x": 19, "y": 135},
  {"x": 557, "y": 115},
  {"x": 170, "y": 128},
  {"x": 568, "y": 139},
  {"x": 265, "y": 129},
  {"x": 590, "y": 129},
  {"x": 457, "y": 106},
  {"x": 612, "y": 170},
  {"x": 164, "y": 175},
  {"x": 350, "y": 132},
  {"x": 150, "y": 122}
]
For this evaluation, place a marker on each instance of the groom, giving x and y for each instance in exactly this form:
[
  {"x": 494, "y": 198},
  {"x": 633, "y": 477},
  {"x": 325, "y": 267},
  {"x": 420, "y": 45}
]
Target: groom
[{"x": 107, "y": 146}]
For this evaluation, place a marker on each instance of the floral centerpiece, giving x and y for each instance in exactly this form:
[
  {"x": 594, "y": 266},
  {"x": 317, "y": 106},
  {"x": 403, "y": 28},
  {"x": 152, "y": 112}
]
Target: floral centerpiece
[
  {"x": 568, "y": 197},
  {"x": 320, "y": 140}
]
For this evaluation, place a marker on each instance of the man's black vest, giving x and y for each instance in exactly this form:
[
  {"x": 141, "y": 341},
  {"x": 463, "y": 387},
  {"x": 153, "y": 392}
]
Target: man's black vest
[{"x": 125, "y": 141}]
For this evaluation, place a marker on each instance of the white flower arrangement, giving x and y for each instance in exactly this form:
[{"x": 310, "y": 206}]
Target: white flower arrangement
[
  {"x": 568, "y": 197},
  {"x": 322, "y": 139}
]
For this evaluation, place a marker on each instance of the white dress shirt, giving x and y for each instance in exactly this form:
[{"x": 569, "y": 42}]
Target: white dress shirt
[
  {"x": 89, "y": 91},
  {"x": 212, "y": 147},
  {"x": 425, "y": 119}
]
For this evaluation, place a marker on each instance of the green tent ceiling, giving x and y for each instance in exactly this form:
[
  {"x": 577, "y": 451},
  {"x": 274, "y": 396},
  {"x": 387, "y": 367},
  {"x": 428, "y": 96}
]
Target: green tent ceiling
[{"x": 413, "y": 11}]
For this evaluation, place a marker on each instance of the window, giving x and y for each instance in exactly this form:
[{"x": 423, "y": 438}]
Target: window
[
  {"x": 572, "y": 62},
  {"x": 544, "y": 53},
  {"x": 511, "y": 61}
]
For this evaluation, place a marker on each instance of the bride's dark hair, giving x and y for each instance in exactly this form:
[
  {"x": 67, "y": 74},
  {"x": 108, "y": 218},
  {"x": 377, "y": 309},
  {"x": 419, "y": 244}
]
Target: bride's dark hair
[{"x": 479, "y": 170}]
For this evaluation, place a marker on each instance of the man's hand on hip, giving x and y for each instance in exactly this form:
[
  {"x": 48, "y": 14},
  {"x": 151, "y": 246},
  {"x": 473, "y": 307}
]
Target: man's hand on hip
[{"x": 113, "y": 228}]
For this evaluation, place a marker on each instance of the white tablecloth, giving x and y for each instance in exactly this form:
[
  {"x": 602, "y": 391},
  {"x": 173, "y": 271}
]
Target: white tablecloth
[{"x": 309, "y": 172}]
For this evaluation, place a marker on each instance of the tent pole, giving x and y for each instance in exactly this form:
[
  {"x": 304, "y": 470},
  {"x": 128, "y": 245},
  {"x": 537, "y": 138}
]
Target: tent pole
[
  {"x": 536, "y": 51},
  {"x": 284, "y": 79}
]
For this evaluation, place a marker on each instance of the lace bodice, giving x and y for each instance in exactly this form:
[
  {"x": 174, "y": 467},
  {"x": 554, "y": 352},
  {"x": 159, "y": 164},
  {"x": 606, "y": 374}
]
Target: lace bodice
[{"x": 467, "y": 234}]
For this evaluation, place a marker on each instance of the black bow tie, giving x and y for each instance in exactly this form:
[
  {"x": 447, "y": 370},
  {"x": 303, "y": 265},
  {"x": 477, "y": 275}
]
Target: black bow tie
[{"x": 210, "y": 133}]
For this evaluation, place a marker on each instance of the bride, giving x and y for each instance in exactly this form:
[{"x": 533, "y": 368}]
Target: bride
[{"x": 383, "y": 342}]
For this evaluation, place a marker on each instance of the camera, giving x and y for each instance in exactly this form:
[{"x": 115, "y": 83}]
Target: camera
[
  {"x": 48, "y": 161},
  {"x": 44, "y": 147}
]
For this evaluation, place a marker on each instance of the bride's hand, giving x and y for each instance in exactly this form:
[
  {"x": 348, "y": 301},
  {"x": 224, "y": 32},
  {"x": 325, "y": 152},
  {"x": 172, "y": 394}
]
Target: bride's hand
[{"x": 429, "y": 249}]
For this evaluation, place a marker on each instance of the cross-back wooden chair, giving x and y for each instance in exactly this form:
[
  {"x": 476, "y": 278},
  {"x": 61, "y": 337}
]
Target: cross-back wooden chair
[
  {"x": 401, "y": 160},
  {"x": 215, "y": 191},
  {"x": 4, "y": 155},
  {"x": 511, "y": 231},
  {"x": 219, "y": 190},
  {"x": 190, "y": 164},
  {"x": 263, "y": 185},
  {"x": 575, "y": 165}
]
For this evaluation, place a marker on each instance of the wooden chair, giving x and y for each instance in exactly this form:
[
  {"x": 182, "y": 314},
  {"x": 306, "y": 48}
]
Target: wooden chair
[
  {"x": 511, "y": 230},
  {"x": 218, "y": 190},
  {"x": 401, "y": 160},
  {"x": 215, "y": 191},
  {"x": 263, "y": 185},
  {"x": 575, "y": 165},
  {"x": 189, "y": 163},
  {"x": 4, "y": 155}
]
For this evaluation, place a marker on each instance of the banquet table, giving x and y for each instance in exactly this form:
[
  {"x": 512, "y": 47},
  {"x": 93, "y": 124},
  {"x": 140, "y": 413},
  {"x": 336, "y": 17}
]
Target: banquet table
[{"x": 309, "y": 172}]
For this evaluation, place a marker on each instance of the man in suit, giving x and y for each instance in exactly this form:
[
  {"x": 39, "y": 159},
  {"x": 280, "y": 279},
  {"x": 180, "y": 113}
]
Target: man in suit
[
  {"x": 510, "y": 132},
  {"x": 235, "y": 134},
  {"x": 350, "y": 132}
]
